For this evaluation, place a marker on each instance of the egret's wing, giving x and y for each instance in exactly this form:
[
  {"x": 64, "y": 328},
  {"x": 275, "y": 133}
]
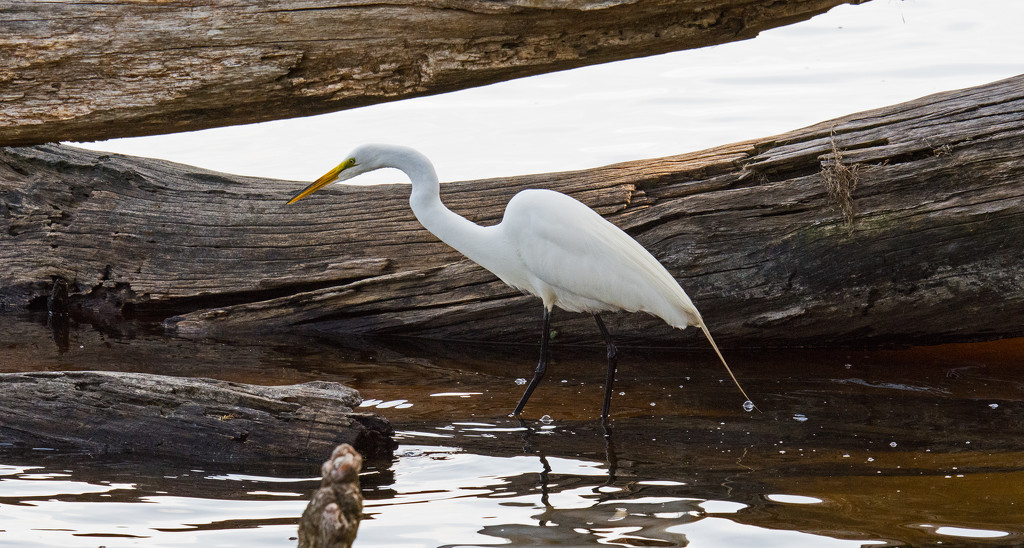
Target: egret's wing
[
  {"x": 592, "y": 264},
  {"x": 588, "y": 260}
]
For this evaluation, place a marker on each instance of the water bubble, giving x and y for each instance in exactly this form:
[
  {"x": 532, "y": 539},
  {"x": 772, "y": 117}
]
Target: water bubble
[
  {"x": 546, "y": 419},
  {"x": 622, "y": 393},
  {"x": 799, "y": 417},
  {"x": 520, "y": 381},
  {"x": 871, "y": 459},
  {"x": 748, "y": 406},
  {"x": 994, "y": 405},
  {"x": 893, "y": 444},
  {"x": 848, "y": 366},
  {"x": 653, "y": 404}
]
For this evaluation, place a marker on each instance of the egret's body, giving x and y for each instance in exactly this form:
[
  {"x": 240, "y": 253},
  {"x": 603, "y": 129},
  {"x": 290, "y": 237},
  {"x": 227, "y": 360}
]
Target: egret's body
[{"x": 547, "y": 244}]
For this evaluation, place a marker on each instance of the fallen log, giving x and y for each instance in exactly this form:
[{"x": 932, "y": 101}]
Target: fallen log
[
  {"x": 84, "y": 71},
  {"x": 893, "y": 225},
  {"x": 185, "y": 418}
]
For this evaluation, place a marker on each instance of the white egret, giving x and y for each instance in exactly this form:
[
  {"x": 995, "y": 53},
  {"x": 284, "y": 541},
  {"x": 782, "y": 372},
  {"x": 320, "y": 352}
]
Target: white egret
[{"x": 547, "y": 244}]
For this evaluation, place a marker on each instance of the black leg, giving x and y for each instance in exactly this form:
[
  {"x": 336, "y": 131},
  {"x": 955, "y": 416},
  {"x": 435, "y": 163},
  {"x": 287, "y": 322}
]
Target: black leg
[
  {"x": 613, "y": 354},
  {"x": 542, "y": 365}
]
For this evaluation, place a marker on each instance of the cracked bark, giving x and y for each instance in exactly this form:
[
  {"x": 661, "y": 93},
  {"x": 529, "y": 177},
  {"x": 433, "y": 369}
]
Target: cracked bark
[
  {"x": 82, "y": 71},
  {"x": 932, "y": 253}
]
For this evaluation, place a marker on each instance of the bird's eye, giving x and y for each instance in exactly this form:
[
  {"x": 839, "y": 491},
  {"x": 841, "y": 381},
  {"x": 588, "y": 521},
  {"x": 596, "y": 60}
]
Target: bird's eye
[{"x": 351, "y": 162}]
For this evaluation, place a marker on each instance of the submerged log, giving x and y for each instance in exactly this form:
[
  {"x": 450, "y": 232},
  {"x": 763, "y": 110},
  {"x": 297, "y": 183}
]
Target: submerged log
[
  {"x": 186, "y": 418},
  {"x": 84, "y": 71},
  {"x": 896, "y": 224}
]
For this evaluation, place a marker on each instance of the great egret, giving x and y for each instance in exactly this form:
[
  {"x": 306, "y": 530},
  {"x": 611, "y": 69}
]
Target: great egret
[{"x": 548, "y": 245}]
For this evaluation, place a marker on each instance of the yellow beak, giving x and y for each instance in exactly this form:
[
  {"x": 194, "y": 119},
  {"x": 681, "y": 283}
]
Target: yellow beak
[{"x": 323, "y": 181}]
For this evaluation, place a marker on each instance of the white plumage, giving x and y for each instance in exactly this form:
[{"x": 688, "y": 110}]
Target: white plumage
[
  {"x": 547, "y": 244},
  {"x": 580, "y": 262}
]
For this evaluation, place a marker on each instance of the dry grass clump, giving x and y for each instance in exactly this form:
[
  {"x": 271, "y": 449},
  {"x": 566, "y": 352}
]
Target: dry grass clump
[{"x": 840, "y": 182}]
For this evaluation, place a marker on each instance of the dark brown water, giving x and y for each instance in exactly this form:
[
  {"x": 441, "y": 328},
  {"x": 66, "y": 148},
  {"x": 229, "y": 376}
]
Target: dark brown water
[{"x": 921, "y": 447}]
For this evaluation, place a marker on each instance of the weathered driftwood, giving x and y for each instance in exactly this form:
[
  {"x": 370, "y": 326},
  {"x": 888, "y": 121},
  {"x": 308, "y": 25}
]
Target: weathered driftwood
[
  {"x": 331, "y": 518},
  {"x": 83, "y": 71},
  {"x": 896, "y": 224},
  {"x": 192, "y": 418}
]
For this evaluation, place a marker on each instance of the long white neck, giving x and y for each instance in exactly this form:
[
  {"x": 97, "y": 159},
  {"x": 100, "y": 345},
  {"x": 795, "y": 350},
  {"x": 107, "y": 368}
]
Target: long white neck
[{"x": 462, "y": 234}]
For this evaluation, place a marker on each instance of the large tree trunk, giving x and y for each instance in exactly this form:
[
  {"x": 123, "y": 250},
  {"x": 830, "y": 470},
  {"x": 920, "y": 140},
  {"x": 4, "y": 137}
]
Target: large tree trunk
[
  {"x": 83, "y": 71},
  {"x": 898, "y": 224}
]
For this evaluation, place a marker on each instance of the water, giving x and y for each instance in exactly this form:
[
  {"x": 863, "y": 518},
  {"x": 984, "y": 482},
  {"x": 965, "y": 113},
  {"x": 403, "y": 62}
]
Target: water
[{"x": 897, "y": 447}]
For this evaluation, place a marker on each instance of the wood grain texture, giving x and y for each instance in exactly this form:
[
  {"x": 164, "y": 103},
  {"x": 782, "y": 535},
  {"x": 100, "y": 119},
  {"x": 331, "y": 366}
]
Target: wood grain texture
[
  {"x": 750, "y": 230},
  {"x": 188, "y": 418},
  {"x": 83, "y": 71}
]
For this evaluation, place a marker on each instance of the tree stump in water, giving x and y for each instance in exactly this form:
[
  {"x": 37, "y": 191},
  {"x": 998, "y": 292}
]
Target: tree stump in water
[{"x": 332, "y": 517}]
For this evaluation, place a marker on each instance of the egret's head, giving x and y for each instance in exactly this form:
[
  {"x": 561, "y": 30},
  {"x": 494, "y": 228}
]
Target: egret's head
[
  {"x": 358, "y": 162},
  {"x": 363, "y": 159}
]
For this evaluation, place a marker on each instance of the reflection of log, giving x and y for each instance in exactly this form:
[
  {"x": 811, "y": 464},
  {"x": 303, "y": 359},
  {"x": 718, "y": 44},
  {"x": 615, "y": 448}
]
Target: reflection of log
[
  {"x": 84, "y": 71},
  {"x": 191, "y": 418},
  {"x": 332, "y": 516},
  {"x": 933, "y": 189}
]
